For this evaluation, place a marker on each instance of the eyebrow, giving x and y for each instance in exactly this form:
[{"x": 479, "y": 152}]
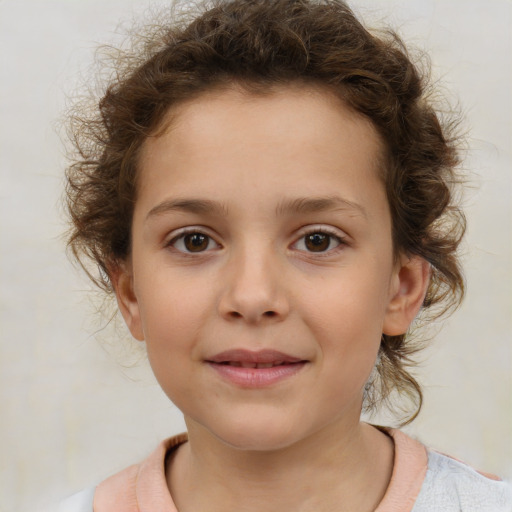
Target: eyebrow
[
  {"x": 200, "y": 206},
  {"x": 299, "y": 205},
  {"x": 319, "y": 204}
]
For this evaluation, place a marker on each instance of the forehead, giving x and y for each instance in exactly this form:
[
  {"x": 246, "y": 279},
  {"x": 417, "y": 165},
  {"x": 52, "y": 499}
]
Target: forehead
[
  {"x": 294, "y": 106},
  {"x": 292, "y": 136}
]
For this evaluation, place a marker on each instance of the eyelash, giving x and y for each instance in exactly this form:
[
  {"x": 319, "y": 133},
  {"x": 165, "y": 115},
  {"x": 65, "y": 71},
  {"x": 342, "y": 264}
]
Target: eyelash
[
  {"x": 331, "y": 234},
  {"x": 341, "y": 241},
  {"x": 190, "y": 231}
]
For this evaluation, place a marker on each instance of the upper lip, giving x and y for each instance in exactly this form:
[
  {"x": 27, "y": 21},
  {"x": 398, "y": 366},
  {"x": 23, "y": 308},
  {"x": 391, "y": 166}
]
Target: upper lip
[{"x": 255, "y": 357}]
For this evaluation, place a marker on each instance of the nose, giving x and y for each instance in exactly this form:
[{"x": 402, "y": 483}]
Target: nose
[{"x": 253, "y": 290}]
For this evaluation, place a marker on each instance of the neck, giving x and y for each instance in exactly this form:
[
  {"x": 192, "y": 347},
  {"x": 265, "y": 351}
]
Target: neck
[{"x": 342, "y": 470}]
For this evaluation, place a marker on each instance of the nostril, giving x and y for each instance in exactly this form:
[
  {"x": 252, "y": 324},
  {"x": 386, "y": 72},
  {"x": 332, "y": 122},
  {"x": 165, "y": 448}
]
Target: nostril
[{"x": 266, "y": 314}]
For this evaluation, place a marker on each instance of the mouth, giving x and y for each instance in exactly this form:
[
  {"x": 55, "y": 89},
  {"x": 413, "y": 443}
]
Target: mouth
[
  {"x": 254, "y": 359},
  {"x": 249, "y": 369},
  {"x": 245, "y": 364}
]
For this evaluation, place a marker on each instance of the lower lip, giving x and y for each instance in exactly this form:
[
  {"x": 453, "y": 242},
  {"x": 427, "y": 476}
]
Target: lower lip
[{"x": 257, "y": 377}]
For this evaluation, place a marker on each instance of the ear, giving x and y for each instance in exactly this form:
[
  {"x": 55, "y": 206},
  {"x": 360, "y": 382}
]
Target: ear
[
  {"x": 408, "y": 289},
  {"x": 121, "y": 277}
]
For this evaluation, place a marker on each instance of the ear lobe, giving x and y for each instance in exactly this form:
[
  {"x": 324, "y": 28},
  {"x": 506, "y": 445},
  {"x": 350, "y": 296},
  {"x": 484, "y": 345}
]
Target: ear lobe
[
  {"x": 411, "y": 282},
  {"x": 121, "y": 277}
]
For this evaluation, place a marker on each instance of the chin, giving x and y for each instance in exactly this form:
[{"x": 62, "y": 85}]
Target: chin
[{"x": 264, "y": 436}]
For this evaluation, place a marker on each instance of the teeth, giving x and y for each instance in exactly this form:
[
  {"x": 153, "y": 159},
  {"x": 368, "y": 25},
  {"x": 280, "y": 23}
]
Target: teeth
[{"x": 245, "y": 364}]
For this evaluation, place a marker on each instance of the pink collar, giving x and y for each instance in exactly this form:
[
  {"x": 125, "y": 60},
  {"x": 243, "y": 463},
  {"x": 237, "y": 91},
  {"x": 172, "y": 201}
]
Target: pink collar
[
  {"x": 143, "y": 487},
  {"x": 409, "y": 470}
]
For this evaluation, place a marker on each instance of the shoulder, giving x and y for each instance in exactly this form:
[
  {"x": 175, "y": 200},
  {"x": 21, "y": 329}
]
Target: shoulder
[
  {"x": 426, "y": 481},
  {"x": 451, "y": 485},
  {"x": 115, "y": 493},
  {"x": 139, "y": 487},
  {"x": 80, "y": 502}
]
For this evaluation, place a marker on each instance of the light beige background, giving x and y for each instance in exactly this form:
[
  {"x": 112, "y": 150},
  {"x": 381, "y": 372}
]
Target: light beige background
[{"x": 70, "y": 414}]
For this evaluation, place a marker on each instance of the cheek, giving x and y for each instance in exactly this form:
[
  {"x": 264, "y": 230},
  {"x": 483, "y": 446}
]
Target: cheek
[
  {"x": 346, "y": 318},
  {"x": 173, "y": 312},
  {"x": 348, "y": 307},
  {"x": 174, "y": 318}
]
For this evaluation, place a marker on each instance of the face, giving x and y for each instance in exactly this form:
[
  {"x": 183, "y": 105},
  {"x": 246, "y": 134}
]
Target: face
[{"x": 262, "y": 272}]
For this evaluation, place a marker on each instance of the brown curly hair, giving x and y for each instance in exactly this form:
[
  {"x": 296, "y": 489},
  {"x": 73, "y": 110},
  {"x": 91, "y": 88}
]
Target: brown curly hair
[{"x": 260, "y": 45}]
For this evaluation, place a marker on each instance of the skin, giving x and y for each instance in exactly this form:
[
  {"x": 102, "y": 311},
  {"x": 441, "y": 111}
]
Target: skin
[{"x": 241, "y": 170}]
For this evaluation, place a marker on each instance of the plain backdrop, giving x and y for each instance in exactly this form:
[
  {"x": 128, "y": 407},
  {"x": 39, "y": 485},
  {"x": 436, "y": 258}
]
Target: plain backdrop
[{"x": 76, "y": 404}]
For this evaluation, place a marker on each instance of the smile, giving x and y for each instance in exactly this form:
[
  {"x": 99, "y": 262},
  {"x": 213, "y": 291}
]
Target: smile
[
  {"x": 248, "y": 369},
  {"x": 244, "y": 364}
]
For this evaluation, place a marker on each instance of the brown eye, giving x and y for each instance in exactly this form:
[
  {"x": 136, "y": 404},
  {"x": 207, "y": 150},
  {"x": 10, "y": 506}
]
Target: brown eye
[
  {"x": 195, "y": 242},
  {"x": 317, "y": 242}
]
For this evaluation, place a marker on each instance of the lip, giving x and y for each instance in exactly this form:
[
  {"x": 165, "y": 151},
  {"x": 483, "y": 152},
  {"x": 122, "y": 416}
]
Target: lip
[{"x": 241, "y": 367}]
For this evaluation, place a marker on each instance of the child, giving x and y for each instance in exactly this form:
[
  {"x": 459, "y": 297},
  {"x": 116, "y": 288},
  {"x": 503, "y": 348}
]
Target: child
[{"x": 268, "y": 194}]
